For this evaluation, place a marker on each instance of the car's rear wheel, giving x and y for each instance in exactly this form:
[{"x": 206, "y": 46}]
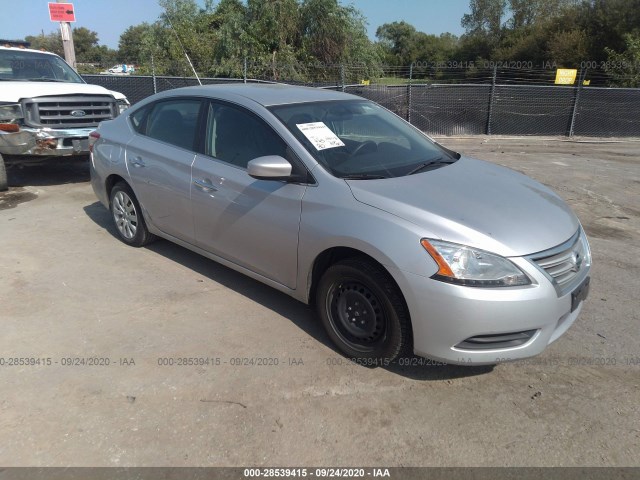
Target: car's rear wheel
[
  {"x": 127, "y": 216},
  {"x": 363, "y": 311},
  {"x": 4, "y": 183}
]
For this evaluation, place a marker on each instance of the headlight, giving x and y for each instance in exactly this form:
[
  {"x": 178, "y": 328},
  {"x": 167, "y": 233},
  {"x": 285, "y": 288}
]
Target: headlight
[
  {"x": 123, "y": 104},
  {"x": 468, "y": 266},
  {"x": 10, "y": 112}
]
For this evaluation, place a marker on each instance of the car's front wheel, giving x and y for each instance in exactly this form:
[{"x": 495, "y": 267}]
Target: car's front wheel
[
  {"x": 127, "y": 216},
  {"x": 363, "y": 311}
]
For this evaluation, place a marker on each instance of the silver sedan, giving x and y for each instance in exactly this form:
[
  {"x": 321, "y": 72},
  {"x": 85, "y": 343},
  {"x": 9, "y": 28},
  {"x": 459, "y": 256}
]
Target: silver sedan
[{"x": 401, "y": 245}]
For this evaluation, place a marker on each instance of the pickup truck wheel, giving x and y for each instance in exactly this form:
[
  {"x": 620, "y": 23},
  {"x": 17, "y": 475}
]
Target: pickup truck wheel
[
  {"x": 363, "y": 312},
  {"x": 127, "y": 216},
  {"x": 4, "y": 184}
]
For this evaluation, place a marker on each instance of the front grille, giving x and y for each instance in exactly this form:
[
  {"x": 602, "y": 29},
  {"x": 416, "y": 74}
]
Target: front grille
[
  {"x": 69, "y": 111},
  {"x": 496, "y": 341},
  {"x": 565, "y": 263}
]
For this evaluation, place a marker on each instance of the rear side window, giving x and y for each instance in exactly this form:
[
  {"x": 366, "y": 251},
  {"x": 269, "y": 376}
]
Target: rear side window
[
  {"x": 137, "y": 119},
  {"x": 172, "y": 121}
]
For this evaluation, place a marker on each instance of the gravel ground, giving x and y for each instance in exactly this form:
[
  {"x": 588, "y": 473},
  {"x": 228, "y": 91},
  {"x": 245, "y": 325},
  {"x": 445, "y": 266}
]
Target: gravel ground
[{"x": 69, "y": 289}]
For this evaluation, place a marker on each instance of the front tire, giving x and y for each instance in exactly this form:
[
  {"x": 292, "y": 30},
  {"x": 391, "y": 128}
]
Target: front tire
[
  {"x": 127, "y": 216},
  {"x": 363, "y": 311},
  {"x": 4, "y": 183}
]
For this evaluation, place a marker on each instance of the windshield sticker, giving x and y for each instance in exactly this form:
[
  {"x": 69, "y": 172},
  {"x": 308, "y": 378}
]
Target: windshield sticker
[{"x": 320, "y": 135}]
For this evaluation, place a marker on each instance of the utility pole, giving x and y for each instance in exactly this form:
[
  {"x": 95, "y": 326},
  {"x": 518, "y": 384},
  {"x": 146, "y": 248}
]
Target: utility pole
[{"x": 67, "y": 42}]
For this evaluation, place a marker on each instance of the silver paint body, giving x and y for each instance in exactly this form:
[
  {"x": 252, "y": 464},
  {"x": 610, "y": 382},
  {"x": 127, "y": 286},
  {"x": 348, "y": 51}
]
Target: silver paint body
[{"x": 274, "y": 231}]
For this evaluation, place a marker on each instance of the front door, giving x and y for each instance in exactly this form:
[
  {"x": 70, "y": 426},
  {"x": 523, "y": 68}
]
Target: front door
[{"x": 253, "y": 223}]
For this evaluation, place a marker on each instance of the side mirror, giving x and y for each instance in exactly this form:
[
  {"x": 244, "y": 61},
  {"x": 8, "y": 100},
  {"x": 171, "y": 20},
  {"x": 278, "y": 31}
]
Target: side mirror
[{"x": 271, "y": 167}]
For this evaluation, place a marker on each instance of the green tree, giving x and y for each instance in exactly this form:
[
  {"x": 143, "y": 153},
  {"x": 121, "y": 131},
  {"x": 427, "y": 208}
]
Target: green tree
[
  {"x": 399, "y": 41},
  {"x": 486, "y": 18},
  {"x": 52, "y": 42},
  {"x": 85, "y": 42},
  {"x": 280, "y": 38},
  {"x": 624, "y": 66},
  {"x": 606, "y": 23},
  {"x": 327, "y": 27},
  {"x": 132, "y": 43},
  {"x": 403, "y": 44},
  {"x": 187, "y": 28}
]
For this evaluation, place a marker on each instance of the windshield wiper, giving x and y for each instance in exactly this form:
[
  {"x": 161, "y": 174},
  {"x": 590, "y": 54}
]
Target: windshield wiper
[
  {"x": 42, "y": 79},
  {"x": 363, "y": 176},
  {"x": 435, "y": 162}
]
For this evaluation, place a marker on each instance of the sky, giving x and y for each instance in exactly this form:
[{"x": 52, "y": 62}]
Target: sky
[{"x": 109, "y": 18}]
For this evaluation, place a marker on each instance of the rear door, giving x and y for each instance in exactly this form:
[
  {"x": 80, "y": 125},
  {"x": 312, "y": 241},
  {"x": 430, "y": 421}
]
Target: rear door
[
  {"x": 159, "y": 160},
  {"x": 253, "y": 223}
]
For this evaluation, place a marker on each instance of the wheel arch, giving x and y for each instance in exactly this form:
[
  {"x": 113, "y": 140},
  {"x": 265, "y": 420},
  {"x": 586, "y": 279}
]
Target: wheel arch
[
  {"x": 333, "y": 255},
  {"x": 111, "y": 181}
]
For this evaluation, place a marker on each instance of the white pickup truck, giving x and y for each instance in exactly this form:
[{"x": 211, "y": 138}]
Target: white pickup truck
[{"x": 46, "y": 109}]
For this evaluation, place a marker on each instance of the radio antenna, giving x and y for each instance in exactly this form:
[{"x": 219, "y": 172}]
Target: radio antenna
[{"x": 182, "y": 47}]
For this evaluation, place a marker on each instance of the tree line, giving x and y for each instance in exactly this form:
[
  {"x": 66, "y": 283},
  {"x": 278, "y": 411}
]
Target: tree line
[{"x": 301, "y": 40}]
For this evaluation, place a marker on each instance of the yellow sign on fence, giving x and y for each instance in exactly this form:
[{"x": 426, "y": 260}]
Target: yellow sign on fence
[{"x": 566, "y": 76}]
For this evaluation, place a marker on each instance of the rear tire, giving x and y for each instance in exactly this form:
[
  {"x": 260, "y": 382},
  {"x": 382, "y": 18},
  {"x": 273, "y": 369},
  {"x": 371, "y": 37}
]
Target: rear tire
[
  {"x": 127, "y": 216},
  {"x": 4, "y": 184},
  {"x": 363, "y": 311}
]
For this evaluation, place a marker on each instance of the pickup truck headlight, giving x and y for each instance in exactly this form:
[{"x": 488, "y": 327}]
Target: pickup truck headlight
[
  {"x": 468, "y": 266},
  {"x": 123, "y": 104},
  {"x": 10, "y": 112}
]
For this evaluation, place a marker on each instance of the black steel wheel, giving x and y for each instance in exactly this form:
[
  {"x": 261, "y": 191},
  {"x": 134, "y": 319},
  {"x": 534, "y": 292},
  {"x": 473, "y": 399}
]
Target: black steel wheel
[{"x": 363, "y": 311}]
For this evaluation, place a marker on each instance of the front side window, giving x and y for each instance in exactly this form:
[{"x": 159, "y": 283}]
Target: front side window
[
  {"x": 171, "y": 121},
  {"x": 359, "y": 139},
  {"x": 236, "y": 136}
]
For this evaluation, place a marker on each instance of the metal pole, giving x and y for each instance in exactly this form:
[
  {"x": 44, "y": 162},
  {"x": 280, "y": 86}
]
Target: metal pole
[
  {"x": 574, "y": 108},
  {"x": 409, "y": 93},
  {"x": 153, "y": 75},
  {"x": 342, "y": 81},
  {"x": 491, "y": 97},
  {"x": 244, "y": 71},
  {"x": 67, "y": 42}
]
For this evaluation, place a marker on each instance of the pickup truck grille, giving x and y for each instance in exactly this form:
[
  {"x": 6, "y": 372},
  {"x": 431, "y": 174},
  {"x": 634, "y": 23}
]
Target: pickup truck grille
[{"x": 72, "y": 111}]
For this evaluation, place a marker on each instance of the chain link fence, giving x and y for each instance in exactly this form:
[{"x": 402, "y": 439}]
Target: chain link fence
[{"x": 446, "y": 100}]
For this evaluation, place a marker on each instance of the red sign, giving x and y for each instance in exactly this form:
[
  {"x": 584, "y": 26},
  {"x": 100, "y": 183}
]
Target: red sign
[{"x": 62, "y": 12}]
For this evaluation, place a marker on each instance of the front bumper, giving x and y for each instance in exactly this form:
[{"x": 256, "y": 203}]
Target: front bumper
[
  {"x": 46, "y": 142},
  {"x": 444, "y": 316}
]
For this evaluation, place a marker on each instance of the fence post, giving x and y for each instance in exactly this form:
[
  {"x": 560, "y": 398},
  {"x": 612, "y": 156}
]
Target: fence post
[
  {"x": 409, "y": 93},
  {"x": 491, "y": 96},
  {"x": 244, "y": 70},
  {"x": 342, "y": 81},
  {"x": 153, "y": 75},
  {"x": 576, "y": 99}
]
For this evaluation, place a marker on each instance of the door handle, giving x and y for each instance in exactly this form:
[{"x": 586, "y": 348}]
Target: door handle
[
  {"x": 137, "y": 162},
  {"x": 205, "y": 185}
]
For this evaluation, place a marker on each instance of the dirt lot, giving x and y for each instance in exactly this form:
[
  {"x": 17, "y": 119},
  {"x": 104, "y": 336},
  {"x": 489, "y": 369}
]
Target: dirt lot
[{"x": 69, "y": 289}]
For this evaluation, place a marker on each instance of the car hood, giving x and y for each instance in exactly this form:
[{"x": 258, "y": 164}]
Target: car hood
[
  {"x": 475, "y": 203},
  {"x": 16, "y": 91}
]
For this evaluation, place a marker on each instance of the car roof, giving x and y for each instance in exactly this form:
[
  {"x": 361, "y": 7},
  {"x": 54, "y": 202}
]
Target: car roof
[
  {"x": 30, "y": 50},
  {"x": 267, "y": 94}
]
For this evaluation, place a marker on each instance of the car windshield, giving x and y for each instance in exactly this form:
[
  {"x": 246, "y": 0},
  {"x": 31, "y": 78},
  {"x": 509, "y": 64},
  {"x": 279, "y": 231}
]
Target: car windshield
[
  {"x": 358, "y": 139},
  {"x": 17, "y": 65}
]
